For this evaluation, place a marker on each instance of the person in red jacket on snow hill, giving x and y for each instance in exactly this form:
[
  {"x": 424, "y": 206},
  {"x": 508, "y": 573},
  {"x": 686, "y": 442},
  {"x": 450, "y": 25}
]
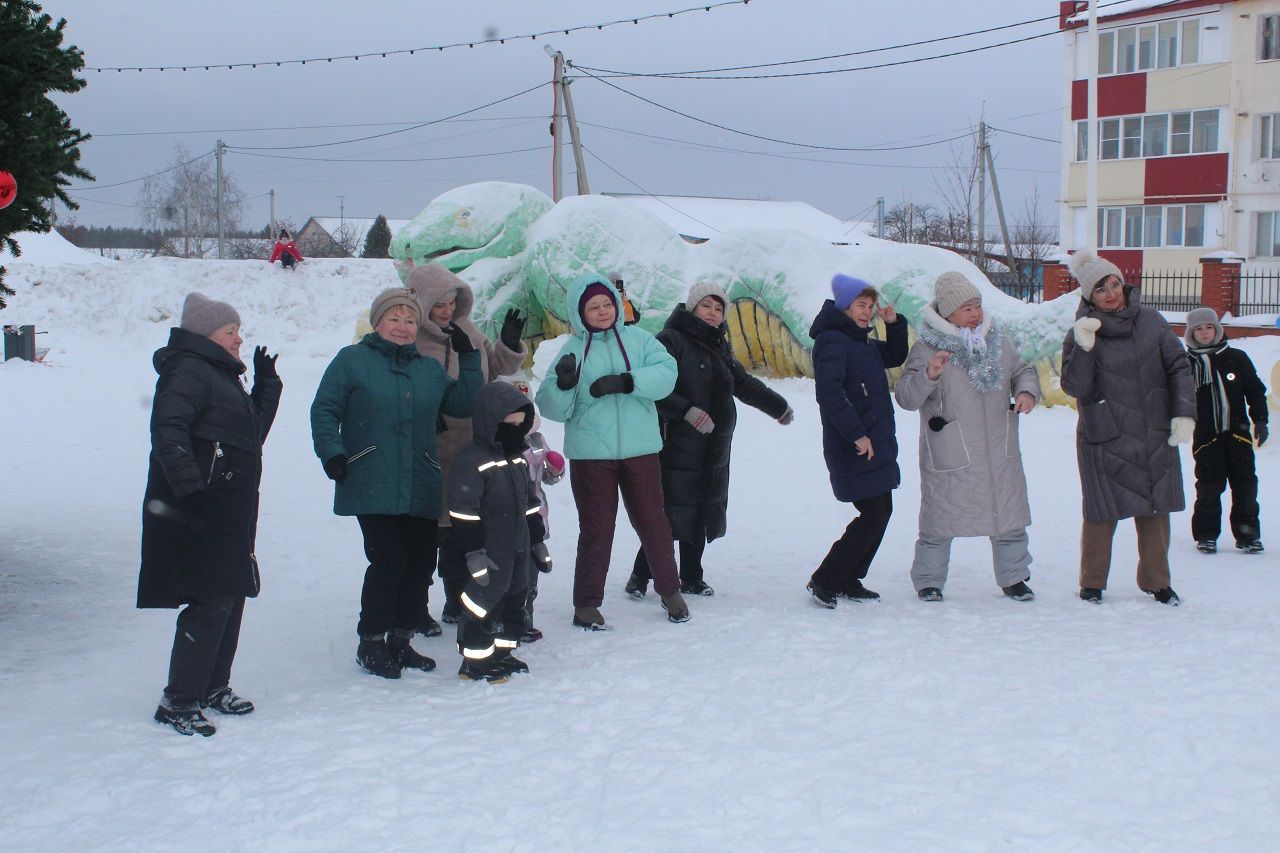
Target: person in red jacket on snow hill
[{"x": 285, "y": 251}]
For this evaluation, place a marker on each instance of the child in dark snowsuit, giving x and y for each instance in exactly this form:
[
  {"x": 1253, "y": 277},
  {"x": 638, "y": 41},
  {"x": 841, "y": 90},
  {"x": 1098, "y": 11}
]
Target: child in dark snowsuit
[
  {"x": 498, "y": 527},
  {"x": 1222, "y": 448}
]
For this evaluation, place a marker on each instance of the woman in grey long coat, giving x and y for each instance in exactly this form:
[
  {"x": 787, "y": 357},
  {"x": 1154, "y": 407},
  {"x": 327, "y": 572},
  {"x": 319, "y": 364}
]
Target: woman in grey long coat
[
  {"x": 961, "y": 374},
  {"x": 1132, "y": 383}
]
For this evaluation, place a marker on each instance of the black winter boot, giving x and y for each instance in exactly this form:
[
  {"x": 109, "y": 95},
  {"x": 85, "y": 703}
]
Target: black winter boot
[
  {"x": 930, "y": 593},
  {"x": 1165, "y": 596},
  {"x": 1094, "y": 596},
  {"x": 512, "y": 664},
  {"x": 375, "y": 655},
  {"x": 1019, "y": 591},
  {"x": 225, "y": 700},
  {"x": 1207, "y": 546},
  {"x": 855, "y": 591},
  {"x": 428, "y": 626},
  {"x": 404, "y": 654},
  {"x": 822, "y": 596},
  {"x": 696, "y": 588},
  {"x": 184, "y": 718},
  {"x": 488, "y": 669},
  {"x": 637, "y": 587}
]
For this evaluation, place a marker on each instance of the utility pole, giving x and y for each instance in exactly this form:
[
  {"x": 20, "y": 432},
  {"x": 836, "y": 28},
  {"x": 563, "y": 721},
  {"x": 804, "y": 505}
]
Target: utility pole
[
  {"x": 218, "y": 150},
  {"x": 557, "y": 72},
  {"x": 1004, "y": 229},
  {"x": 980, "y": 255},
  {"x": 342, "y": 210},
  {"x": 880, "y": 217},
  {"x": 575, "y": 139},
  {"x": 272, "y": 233},
  {"x": 186, "y": 231}
]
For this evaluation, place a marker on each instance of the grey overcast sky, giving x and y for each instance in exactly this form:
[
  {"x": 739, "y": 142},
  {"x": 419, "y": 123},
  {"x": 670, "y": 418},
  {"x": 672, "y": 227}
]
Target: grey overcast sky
[{"x": 137, "y": 119}]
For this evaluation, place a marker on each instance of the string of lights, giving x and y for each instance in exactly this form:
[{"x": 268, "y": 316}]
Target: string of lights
[{"x": 384, "y": 54}]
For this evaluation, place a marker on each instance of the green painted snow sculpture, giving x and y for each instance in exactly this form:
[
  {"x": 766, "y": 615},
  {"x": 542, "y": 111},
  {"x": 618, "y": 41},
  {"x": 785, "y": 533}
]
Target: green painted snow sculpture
[{"x": 467, "y": 224}]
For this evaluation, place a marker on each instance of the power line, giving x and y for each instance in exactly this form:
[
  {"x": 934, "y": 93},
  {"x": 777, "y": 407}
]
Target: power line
[
  {"x": 771, "y": 138},
  {"x": 383, "y": 54},
  {"x": 675, "y": 76},
  {"x": 389, "y": 160},
  {"x": 394, "y": 132},
  {"x": 1027, "y": 135},
  {"x": 834, "y": 55},
  {"x": 645, "y": 191},
  {"x": 144, "y": 177},
  {"x": 97, "y": 135}
]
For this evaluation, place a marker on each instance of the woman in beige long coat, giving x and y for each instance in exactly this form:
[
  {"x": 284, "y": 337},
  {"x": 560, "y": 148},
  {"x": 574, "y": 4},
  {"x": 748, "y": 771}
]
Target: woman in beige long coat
[
  {"x": 446, "y": 301},
  {"x": 970, "y": 386}
]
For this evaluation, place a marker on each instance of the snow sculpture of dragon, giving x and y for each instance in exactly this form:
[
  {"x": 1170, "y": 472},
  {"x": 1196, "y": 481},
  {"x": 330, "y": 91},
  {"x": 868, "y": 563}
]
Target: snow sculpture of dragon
[{"x": 518, "y": 249}]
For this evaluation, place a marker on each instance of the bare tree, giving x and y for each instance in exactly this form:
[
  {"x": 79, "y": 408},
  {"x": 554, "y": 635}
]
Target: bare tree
[
  {"x": 185, "y": 197},
  {"x": 1034, "y": 239},
  {"x": 957, "y": 186},
  {"x": 908, "y": 222}
]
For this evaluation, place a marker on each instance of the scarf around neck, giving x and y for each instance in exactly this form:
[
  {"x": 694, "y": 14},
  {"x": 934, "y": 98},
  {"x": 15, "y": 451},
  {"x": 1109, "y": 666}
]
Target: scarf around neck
[
  {"x": 1203, "y": 375},
  {"x": 978, "y": 352}
]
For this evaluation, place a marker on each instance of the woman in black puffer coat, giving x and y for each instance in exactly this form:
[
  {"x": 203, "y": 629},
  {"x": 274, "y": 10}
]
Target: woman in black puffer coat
[
  {"x": 698, "y": 419},
  {"x": 200, "y": 512}
]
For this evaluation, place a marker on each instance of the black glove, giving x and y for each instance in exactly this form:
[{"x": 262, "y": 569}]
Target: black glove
[
  {"x": 542, "y": 557},
  {"x": 264, "y": 366},
  {"x": 512, "y": 330},
  {"x": 461, "y": 342},
  {"x": 335, "y": 467},
  {"x": 567, "y": 372},
  {"x": 614, "y": 383},
  {"x": 1260, "y": 433},
  {"x": 480, "y": 566}
]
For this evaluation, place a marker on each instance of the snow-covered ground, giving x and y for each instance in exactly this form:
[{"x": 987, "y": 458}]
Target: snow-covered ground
[{"x": 765, "y": 723}]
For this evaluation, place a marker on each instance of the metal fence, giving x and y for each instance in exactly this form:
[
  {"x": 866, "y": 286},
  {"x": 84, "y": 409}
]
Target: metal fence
[
  {"x": 1028, "y": 288},
  {"x": 1259, "y": 292},
  {"x": 1170, "y": 290}
]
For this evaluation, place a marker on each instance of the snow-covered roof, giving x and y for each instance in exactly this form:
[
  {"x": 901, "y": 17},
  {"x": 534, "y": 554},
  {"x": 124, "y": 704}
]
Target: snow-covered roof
[
  {"x": 702, "y": 218},
  {"x": 1108, "y": 11},
  {"x": 359, "y": 228}
]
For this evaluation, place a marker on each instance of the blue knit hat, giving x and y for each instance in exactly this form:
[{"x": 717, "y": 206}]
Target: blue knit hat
[{"x": 846, "y": 288}]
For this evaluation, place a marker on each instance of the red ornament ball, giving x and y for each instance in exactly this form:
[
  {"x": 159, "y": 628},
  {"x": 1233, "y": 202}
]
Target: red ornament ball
[{"x": 8, "y": 188}]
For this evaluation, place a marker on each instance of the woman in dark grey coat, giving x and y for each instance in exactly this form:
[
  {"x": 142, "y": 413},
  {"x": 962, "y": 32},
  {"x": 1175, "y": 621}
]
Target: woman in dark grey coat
[
  {"x": 200, "y": 512},
  {"x": 1132, "y": 384}
]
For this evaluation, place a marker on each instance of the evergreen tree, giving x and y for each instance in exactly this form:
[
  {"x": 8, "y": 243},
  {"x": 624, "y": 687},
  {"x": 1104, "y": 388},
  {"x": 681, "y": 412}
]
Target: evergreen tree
[
  {"x": 37, "y": 142},
  {"x": 378, "y": 241}
]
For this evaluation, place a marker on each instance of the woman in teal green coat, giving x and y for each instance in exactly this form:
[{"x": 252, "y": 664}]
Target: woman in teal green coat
[
  {"x": 607, "y": 381},
  {"x": 373, "y": 423}
]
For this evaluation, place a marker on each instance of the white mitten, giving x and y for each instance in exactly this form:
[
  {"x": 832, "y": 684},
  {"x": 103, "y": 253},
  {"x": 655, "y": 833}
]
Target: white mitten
[
  {"x": 1181, "y": 430},
  {"x": 1086, "y": 332}
]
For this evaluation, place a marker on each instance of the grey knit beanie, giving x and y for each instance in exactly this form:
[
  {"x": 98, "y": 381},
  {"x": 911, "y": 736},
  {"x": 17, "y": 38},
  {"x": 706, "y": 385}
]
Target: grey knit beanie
[
  {"x": 701, "y": 290},
  {"x": 1089, "y": 269},
  {"x": 203, "y": 316},
  {"x": 1200, "y": 316},
  {"x": 390, "y": 298},
  {"x": 951, "y": 290}
]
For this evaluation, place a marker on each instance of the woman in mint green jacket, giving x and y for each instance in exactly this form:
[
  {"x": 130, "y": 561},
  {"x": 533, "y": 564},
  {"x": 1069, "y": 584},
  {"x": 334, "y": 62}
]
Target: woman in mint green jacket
[
  {"x": 607, "y": 381},
  {"x": 373, "y": 423}
]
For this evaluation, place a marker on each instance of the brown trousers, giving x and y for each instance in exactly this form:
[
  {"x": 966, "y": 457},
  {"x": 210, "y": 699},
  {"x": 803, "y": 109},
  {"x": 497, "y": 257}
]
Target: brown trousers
[
  {"x": 596, "y": 483},
  {"x": 1153, "y": 552}
]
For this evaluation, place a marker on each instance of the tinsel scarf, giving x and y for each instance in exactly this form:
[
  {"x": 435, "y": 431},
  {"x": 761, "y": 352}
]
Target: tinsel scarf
[{"x": 982, "y": 363}]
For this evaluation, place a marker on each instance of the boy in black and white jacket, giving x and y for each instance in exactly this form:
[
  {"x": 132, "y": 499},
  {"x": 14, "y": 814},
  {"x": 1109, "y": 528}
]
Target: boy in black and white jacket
[
  {"x": 496, "y": 520},
  {"x": 1225, "y": 382}
]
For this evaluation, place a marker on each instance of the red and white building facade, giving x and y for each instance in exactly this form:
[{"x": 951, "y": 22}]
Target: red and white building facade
[{"x": 1188, "y": 131}]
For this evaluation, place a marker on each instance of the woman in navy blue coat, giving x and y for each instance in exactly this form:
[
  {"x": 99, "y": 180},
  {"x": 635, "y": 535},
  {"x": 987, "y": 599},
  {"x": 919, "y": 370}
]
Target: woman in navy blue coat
[{"x": 859, "y": 441}]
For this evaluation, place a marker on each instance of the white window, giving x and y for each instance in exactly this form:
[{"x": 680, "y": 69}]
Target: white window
[
  {"x": 1082, "y": 141},
  {"x": 1131, "y": 145},
  {"x": 1204, "y": 131},
  {"x": 1153, "y": 226},
  {"x": 1269, "y": 37},
  {"x": 1268, "y": 242},
  {"x": 1155, "y": 135},
  {"x": 1110, "y": 147},
  {"x": 1269, "y": 136},
  {"x": 1124, "y": 50},
  {"x": 1180, "y": 135}
]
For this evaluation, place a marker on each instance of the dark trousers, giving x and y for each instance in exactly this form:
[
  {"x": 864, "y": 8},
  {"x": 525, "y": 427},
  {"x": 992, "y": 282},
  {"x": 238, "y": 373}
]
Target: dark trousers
[
  {"x": 453, "y": 566},
  {"x": 204, "y": 645},
  {"x": 850, "y": 556},
  {"x": 1228, "y": 458},
  {"x": 286, "y": 260},
  {"x": 690, "y": 562},
  {"x": 596, "y": 483},
  {"x": 505, "y": 619},
  {"x": 401, "y": 550}
]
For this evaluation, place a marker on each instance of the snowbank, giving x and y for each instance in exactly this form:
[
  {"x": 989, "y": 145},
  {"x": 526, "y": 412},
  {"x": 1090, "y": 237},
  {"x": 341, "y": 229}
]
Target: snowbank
[{"x": 45, "y": 249}]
